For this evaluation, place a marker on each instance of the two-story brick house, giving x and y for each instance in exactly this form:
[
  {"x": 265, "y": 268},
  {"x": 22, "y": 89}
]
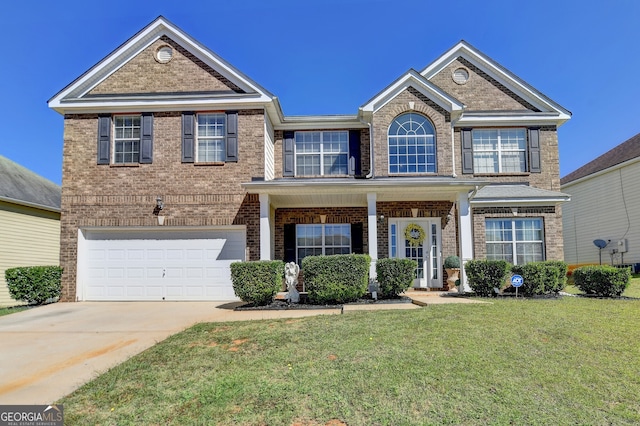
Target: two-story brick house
[{"x": 177, "y": 164}]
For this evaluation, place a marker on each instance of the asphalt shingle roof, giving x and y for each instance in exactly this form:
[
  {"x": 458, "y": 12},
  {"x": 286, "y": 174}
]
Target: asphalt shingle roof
[
  {"x": 496, "y": 192},
  {"x": 626, "y": 151},
  {"x": 22, "y": 185}
]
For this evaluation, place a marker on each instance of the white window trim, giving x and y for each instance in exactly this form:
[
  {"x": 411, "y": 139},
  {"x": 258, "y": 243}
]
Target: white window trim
[
  {"x": 324, "y": 245},
  {"x": 114, "y": 140},
  {"x": 426, "y": 164},
  {"x": 514, "y": 242},
  {"x": 198, "y": 138},
  {"x": 321, "y": 152},
  {"x": 499, "y": 150}
]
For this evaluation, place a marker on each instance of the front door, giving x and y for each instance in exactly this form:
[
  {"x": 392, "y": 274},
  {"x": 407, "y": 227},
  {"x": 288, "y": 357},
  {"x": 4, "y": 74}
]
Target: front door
[{"x": 419, "y": 240}]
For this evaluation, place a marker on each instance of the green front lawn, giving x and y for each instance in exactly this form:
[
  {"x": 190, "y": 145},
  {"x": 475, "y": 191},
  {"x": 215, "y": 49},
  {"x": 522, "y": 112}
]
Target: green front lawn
[
  {"x": 13, "y": 310},
  {"x": 523, "y": 362}
]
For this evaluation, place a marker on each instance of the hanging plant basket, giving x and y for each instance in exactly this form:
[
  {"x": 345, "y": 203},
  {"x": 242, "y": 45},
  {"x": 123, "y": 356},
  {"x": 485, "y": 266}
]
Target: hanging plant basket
[{"x": 414, "y": 234}]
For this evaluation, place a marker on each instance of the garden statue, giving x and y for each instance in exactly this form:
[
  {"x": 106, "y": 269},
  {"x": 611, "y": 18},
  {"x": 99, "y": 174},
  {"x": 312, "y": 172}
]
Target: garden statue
[{"x": 291, "y": 271}]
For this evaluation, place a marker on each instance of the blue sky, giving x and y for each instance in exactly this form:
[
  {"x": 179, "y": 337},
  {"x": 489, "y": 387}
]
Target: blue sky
[{"x": 331, "y": 56}]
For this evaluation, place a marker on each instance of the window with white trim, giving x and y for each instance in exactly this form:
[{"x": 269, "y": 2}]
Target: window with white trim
[
  {"x": 517, "y": 241},
  {"x": 412, "y": 145},
  {"x": 126, "y": 139},
  {"x": 322, "y": 239},
  {"x": 322, "y": 153},
  {"x": 499, "y": 150},
  {"x": 211, "y": 138}
]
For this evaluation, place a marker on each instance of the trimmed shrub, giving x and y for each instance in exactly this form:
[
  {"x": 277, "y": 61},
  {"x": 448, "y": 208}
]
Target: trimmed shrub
[
  {"x": 257, "y": 282},
  {"x": 485, "y": 275},
  {"x": 339, "y": 278},
  {"x": 394, "y": 276},
  {"x": 541, "y": 277},
  {"x": 34, "y": 284},
  {"x": 452, "y": 262},
  {"x": 605, "y": 280}
]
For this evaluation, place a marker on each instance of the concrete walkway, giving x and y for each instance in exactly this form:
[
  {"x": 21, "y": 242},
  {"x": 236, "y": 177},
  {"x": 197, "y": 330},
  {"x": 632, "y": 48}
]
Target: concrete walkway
[{"x": 49, "y": 351}]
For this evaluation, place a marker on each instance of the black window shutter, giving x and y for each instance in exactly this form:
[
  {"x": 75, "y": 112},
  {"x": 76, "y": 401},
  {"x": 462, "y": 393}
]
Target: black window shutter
[
  {"x": 188, "y": 137},
  {"x": 467, "y": 151},
  {"x": 104, "y": 139},
  {"x": 289, "y": 242},
  {"x": 146, "y": 138},
  {"x": 354, "y": 150},
  {"x": 357, "y": 240},
  {"x": 288, "y": 154},
  {"x": 535, "y": 163},
  {"x": 232, "y": 137}
]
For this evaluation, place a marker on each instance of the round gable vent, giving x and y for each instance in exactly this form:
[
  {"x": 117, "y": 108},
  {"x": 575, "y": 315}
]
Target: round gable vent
[
  {"x": 164, "y": 54},
  {"x": 461, "y": 76}
]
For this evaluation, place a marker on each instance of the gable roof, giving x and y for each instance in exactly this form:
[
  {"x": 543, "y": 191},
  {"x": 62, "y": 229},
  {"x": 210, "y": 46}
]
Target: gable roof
[
  {"x": 73, "y": 96},
  {"x": 501, "y": 75},
  {"x": 20, "y": 185},
  {"x": 413, "y": 79},
  {"x": 624, "y": 152}
]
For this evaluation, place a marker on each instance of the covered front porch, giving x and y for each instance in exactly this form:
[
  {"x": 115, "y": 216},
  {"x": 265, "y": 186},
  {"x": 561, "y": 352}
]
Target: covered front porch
[{"x": 425, "y": 219}]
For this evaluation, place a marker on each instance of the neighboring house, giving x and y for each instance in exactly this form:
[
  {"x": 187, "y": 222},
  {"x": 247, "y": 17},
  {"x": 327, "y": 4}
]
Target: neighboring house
[
  {"x": 164, "y": 131},
  {"x": 29, "y": 222},
  {"x": 605, "y": 201}
]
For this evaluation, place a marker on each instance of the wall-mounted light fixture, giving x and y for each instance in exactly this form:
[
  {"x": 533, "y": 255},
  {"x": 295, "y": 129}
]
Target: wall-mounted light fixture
[
  {"x": 158, "y": 209},
  {"x": 448, "y": 219},
  {"x": 381, "y": 218}
]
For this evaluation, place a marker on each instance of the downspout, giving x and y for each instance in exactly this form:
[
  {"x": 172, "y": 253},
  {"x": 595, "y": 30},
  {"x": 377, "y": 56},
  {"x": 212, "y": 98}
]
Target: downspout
[{"x": 370, "y": 174}]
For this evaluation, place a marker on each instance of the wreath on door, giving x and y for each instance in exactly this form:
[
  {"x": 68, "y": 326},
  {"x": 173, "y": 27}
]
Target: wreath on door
[{"x": 414, "y": 234}]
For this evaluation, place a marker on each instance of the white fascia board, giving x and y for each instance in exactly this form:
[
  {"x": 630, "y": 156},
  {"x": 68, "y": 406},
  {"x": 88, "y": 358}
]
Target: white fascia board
[
  {"x": 138, "y": 43},
  {"x": 601, "y": 172},
  {"x": 98, "y": 106},
  {"x": 510, "y": 120},
  {"x": 29, "y": 204},
  {"x": 321, "y": 122},
  {"x": 496, "y": 71},
  {"x": 415, "y": 80},
  {"x": 501, "y": 202}
]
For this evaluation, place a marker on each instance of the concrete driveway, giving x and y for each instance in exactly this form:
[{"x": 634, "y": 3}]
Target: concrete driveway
[{"x": 49, "y": 351}]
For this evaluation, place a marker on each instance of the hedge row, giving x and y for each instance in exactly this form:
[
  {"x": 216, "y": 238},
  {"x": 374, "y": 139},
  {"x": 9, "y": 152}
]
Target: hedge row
[
  {"x": 257, "y": 282},
  {"x": 605, "y": 280},
  {"x": 337, "y": 278},
  {"x": 34, "y": 284},
  {"x": 394, "y": 276}
]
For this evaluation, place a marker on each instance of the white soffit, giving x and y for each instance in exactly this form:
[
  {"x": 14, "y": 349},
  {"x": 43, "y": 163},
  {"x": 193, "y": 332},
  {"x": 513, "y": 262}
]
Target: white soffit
[
  {"x": 413, "y": 79},
  {"x": 128, "y": 50},
  {"x": 499, "y": 73}
]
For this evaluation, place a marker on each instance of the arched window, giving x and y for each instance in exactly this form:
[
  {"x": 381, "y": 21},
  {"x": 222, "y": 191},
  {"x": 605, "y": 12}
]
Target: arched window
[{"x": 412, "y": 144}]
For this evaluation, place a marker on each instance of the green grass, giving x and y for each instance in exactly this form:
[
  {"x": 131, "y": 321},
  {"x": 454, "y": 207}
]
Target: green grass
[
  {"x": 523, "y": 362},
  {"x": 12, "y": 310},
  {"x": 633, "y": 290}
]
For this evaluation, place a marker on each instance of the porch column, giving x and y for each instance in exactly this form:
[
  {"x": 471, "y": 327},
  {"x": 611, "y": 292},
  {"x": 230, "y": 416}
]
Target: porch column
[
  {"x": 465, "y": 231},
  {"x": 373, "y": 232},
  {"x": 265, "y": 227}
]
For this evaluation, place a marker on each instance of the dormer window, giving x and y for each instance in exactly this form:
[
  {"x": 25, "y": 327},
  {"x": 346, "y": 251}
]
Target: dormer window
[{"x": 412, "y": 145}]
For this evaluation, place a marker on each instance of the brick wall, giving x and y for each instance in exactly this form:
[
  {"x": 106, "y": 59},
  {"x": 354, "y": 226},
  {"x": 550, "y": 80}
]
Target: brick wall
[
  {"x": 551, "y": 217},
  {"x": 194, "y": 195},
  {"x": 439, "y": 117},
  {"x": 481, "y": 92},
  {"x": 144, "y": 74}
]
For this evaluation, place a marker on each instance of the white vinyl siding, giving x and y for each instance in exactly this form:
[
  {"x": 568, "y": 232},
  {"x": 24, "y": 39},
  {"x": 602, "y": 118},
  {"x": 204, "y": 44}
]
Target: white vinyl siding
[
  {"x": 29, "y": 238},
  {"x": 603, "y": 207}
]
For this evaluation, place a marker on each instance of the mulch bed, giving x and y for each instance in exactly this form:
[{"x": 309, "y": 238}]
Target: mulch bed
[{"x": 281, "y": 305}]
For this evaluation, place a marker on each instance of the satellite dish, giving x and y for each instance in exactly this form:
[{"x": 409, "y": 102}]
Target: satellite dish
[{"x": 600, "y": 243}]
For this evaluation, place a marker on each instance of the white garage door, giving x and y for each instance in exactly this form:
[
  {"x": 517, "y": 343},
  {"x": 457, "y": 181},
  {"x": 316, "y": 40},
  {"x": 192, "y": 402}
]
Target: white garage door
[{"x": 159, "y": 265}]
